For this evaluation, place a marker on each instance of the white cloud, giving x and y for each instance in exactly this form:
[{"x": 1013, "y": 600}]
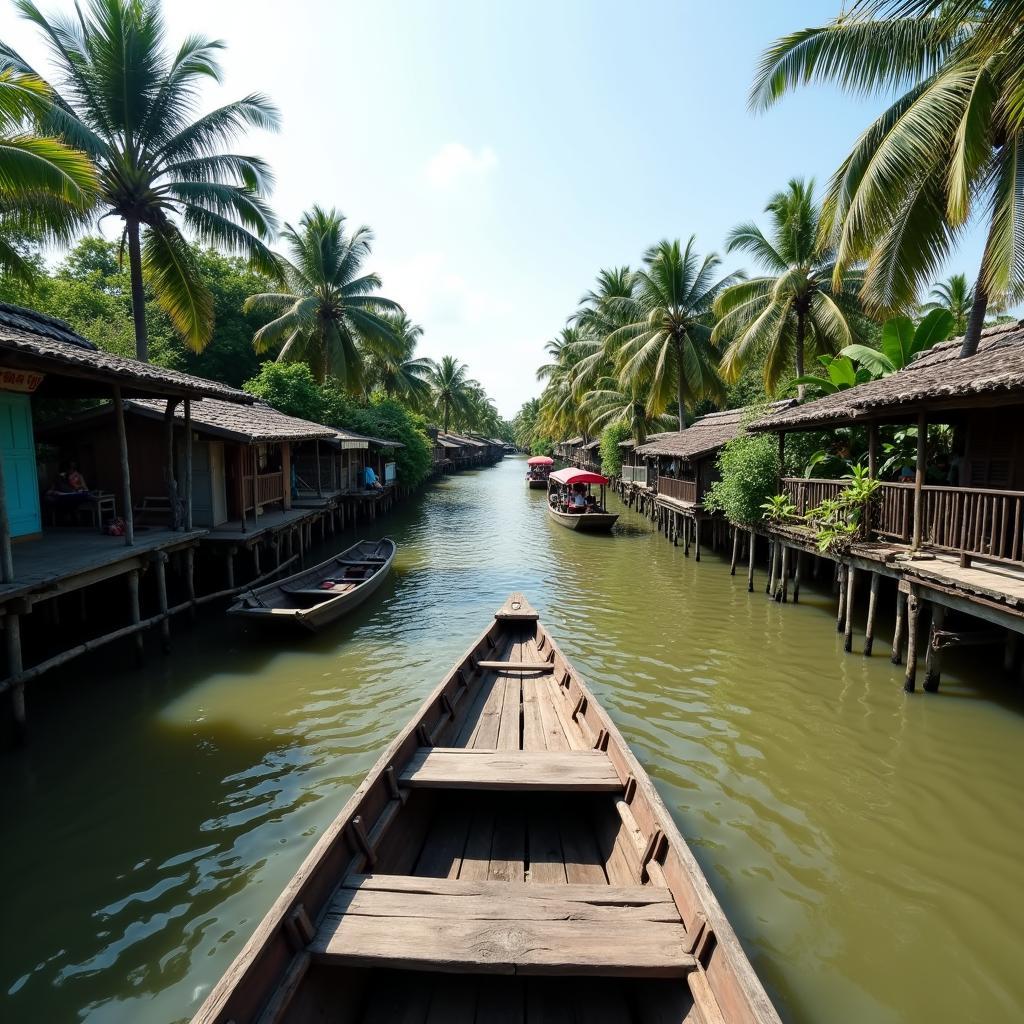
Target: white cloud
[
  {"x": 432, "y": 292},
  {"x": 454, "y": 163}
]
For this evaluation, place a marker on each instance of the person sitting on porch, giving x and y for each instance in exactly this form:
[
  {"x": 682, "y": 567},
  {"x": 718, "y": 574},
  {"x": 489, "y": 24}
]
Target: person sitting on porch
[
  {"x": 76, "y": 482},
  {"x": 370, "y": 479}
]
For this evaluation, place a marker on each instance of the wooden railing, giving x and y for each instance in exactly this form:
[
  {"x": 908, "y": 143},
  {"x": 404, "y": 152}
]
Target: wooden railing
[
  {"x": 681, "y": 490},
  {"x": 967, "y": 520},
  {"x": 634, "y": 475},
  {"x": 262, "y": 489}
]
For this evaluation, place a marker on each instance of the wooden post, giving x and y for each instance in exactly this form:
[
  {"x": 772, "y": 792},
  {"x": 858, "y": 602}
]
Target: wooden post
[
  {"x": 126, "y": 481},
  {"x": 230, "y": 566},
  {"x": 696, "y": 538},
  {"x": 841, "y": 612},
  {"x": 190, "y": 578},
  {"x": 12, "y": 630},
  {"x": 170, "y": 477},
  {"x": 735, "y": 550},
  {"x": 6, "y": 553},
  {"x": 773, "y": 560},
  {"x": 797, "y": 572},
  {"x": 188, "y": 465},
  {"x": 933, "y": 656},
  {"x": 751, "y": 549},
  {"x": 919, "y": 469},
  {"x": 782, "y": 584},
  {"x": 851, "y": 578},
  {"x": 897, "y": 634},
  {"x": 873, "y": 450},
  {"x": 869, "y": 629},
  {"x": 913, "y": 615},
  {"x": 159, "y": 560},
  {"x": 286, "y": 473},
  {"x": 135, "y": 610},
  {"x": 686, "y": 538},
  {"x": 319, "y": 485}
]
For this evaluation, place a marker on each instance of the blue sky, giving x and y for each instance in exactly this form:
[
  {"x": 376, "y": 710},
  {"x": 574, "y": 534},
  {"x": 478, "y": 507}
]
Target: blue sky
[{"x": 504, "y": 150}]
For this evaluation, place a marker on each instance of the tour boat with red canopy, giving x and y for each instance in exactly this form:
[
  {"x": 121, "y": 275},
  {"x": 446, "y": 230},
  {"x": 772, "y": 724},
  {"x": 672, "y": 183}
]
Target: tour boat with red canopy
[
  {"x": 538, "y": 472},
  {"x": 572, "y": 503}
]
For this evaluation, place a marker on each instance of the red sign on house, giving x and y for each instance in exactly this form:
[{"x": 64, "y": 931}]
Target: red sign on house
[{"x": 19, "y": 380}]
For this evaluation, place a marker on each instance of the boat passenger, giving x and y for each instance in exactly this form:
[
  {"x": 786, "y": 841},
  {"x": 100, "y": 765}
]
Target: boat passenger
[{"x": 579, "y": 500}]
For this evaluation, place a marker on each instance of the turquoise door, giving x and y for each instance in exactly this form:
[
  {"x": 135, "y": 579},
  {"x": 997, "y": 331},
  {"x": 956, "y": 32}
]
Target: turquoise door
[{"x": 21, "y": 479}]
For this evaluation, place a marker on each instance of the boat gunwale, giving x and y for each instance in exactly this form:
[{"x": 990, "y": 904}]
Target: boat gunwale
[{"x": 599, "y": 520}]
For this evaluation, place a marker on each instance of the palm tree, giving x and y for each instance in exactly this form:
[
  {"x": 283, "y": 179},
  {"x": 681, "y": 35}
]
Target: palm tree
[
  {"x": 954, "y": 295},
  {"x": 46, "y": 187},
  {"x": 951, "y": 145},
  {"x": 397, "y": 371},
  {"x": 330, "y": 317},
  {"x": 129, "y": 104},
  {"x": 609, "y": 405},
  {"x": 449, "y": 384},
  {"x": 601, "y": 311},
  {"x": 664, "y": 345},
  {"x": 794, "y": 310}
]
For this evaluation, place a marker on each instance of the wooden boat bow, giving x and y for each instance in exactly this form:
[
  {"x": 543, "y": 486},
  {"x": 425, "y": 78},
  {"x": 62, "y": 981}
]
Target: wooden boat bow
[{"x": 507, "y": 852}]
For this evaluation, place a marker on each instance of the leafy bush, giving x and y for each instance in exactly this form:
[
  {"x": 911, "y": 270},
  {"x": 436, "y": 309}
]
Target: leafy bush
[
  {"x": 611, "y": 453},
  {"x": 542, "y": 446},
  {"x": 749, "y": 467},
  {"x": 838, "y": 522},
  {"x": 291, "y": 388},
  {"x": 778, "y": 508}
]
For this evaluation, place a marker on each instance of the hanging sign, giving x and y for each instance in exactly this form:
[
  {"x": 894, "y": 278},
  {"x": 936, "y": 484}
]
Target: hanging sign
[{"x": 24, "y": 381}]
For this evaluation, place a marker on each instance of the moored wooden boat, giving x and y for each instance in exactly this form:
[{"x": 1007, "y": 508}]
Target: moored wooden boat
[
  {"x": 324, "y": 593},
  {"x": 507, "y": 858},
  {"x": 538, "y": 471},
  {"x": 563, "y": 487}
]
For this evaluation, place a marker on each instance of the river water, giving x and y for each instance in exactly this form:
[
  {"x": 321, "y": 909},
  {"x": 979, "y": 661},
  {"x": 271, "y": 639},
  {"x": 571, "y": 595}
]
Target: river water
[{"x": 865, "y": 844}]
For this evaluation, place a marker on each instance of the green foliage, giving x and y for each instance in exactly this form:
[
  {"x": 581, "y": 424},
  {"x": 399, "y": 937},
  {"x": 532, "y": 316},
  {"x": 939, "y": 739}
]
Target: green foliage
[
  {"x": 611, "y": 453},
  {"x": 778, "y": 508},
  {"x": 291, "y": 388},
  {"x": 839, "y": 521},
  {"x": 542, "y": 446},
  {"x": 749, "y": 468}
]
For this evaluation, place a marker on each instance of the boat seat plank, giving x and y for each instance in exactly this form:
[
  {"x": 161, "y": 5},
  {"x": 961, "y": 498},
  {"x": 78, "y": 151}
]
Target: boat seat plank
[
  {"x": 517, "y": 666},
  {"x": 503, "y": 928},
  {"x": 557, "y": 771},
  {"x": 322, "y": 593}
]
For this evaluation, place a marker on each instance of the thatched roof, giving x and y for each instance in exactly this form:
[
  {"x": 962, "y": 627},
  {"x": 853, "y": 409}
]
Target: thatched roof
[
  {"x": 630, "y": 442},
  {"x": 705, "y": 435},
  {"x": 259, "y": 423},
  {"x": 938, "y": 379},
  {"x": 43, "y": 344},
  {"x": 591, "y": 445},
  {"x": 572, "y": 441}
]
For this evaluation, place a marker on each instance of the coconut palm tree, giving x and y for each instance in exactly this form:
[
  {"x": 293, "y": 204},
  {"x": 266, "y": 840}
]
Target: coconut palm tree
[
  {"x": 664, "y": 347},
  {"x": 397, "y": 371},
  {"x": 794, "y": 310},
  {"x": 125, "y": 100},
  {"x": 449, "y": 386},
  {"x": 330, "y": 316},
  {"x": 46, "y": 187},
  {"x": 954, "y": 295},
  {"x": 601, "y": 311},
  {"x": 608, "y": 405},
  {"x": 949, "y": 147}
]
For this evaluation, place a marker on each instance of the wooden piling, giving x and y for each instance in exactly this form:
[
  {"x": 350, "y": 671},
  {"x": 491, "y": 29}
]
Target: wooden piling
[
  {"x": 773, "y": 557},
  {"x": 159, "y": 565},
  {"x": 841, "y": 611},
  {"x": 913, "y": 616},
  {"x": 696, "y": 538},
  {"x": 797, "y": 572},
  {"x": 735, "y": 550},
  {"x": 751, "y": 550},
  {"x": 135, "y": 610},
  {"x": 897, "y": 634},
  {"x": 12, "y": 631},
  {"x": 126, "y": 476},
  {"x": 851, "y": 582},
  {"x": 782, "y": 583},
  {"x": 190, "y": 579},
  {"x": 869, "y": 628},
  {"x": 933, "y": 656}
]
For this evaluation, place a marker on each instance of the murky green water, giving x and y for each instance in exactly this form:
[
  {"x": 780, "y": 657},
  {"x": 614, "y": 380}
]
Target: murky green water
[{"x": 867, "y": 845}]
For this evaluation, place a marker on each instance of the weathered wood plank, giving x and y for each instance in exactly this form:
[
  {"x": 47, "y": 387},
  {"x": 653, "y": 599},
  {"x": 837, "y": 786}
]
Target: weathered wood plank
[
  {"x": 533, "y": 724},
  {"x": 509, "y": 724},
  {"x": 499, "y": 928},
  {"x": 517, "y": 666},
  {"x": 556, "y": 771},
  {"x": 477, "y": 856},
  {"x": 508, "y": 848},
  {"x": 516, "y": 607},
  {"x": 441, "y": 856},
  {"x": 583, "y": 861},
  {"x": 547, "y": 862}
]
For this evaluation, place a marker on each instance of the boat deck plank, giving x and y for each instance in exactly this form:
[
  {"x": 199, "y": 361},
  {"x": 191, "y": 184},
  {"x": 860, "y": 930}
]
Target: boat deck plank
[
  {"x": 589, "y": 771},
  {"x": 499, "y": 927}
]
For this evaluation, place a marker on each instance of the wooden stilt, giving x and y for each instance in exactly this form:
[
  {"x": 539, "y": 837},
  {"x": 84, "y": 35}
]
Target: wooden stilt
[
  {"x": 841, "y": 611},
  {"x": 697, "y": 523},
  {"x": 796, "y": 576},
  {"x": 686, "y": 538},
  {"x": 126, "y": 477},
  {"x": 188, "y": 464},
  {"x": 159, "y": 566},
  {"x": 134, "y": 609},
  {"x": 933, "y": 656},
  {"x": 897, "y": 634},
  {"x": 735, "y": 550},
  {"x": 773, "y": 568},
  {"x": 190, "y": 578},
  {"x": 751, "y": 551},
  {"x": 783, "y": 594},
  {"x": 12, "y": 631},
  {"x": 913, "y": 615},
  {"x": 851, "y": 582},
  {"x": 869, "y": 628}
]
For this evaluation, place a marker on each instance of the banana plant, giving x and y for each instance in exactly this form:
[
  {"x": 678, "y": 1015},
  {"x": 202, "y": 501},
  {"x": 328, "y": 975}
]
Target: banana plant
[{"x": 902, "y": 342}]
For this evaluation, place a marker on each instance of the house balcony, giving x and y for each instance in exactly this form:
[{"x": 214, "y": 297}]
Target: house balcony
[
  {"x": 684, "y": 491},
  {"x": 634, "y": 475}
]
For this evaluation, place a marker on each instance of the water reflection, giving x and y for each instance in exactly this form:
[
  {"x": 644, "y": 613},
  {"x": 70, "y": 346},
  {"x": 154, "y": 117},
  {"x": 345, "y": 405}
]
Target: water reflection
[{"x": 865, "y": 844}]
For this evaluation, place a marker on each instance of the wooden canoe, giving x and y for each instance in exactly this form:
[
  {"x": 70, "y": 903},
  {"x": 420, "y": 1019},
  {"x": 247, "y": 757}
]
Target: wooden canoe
[
  {"x": 586, "y": 522},
  {"x": 507, "y": 858},
  {"x": 318, "y": 596}
]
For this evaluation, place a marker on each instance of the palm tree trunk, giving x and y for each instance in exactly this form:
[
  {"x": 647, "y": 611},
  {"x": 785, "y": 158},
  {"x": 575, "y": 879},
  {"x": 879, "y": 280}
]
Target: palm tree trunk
[
  {"x": 976, "y": 320},
  {"x": 801, "y": 333},
  {"x": 446, "y": 413},
  {"x": 680, "y": 391},
  {"x": 138, "y": 293}
]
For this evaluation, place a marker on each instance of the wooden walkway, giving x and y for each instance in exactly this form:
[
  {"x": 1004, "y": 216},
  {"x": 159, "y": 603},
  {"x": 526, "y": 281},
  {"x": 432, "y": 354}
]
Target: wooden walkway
[
  {"x": 66, "y": 559},
  {"x": 271, "y": 521}
]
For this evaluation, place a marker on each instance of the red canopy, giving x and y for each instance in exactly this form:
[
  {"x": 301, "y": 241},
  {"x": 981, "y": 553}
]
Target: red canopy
[
  {"x": 540, "y": 460},
  {"x": 577, "y": 476}
]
